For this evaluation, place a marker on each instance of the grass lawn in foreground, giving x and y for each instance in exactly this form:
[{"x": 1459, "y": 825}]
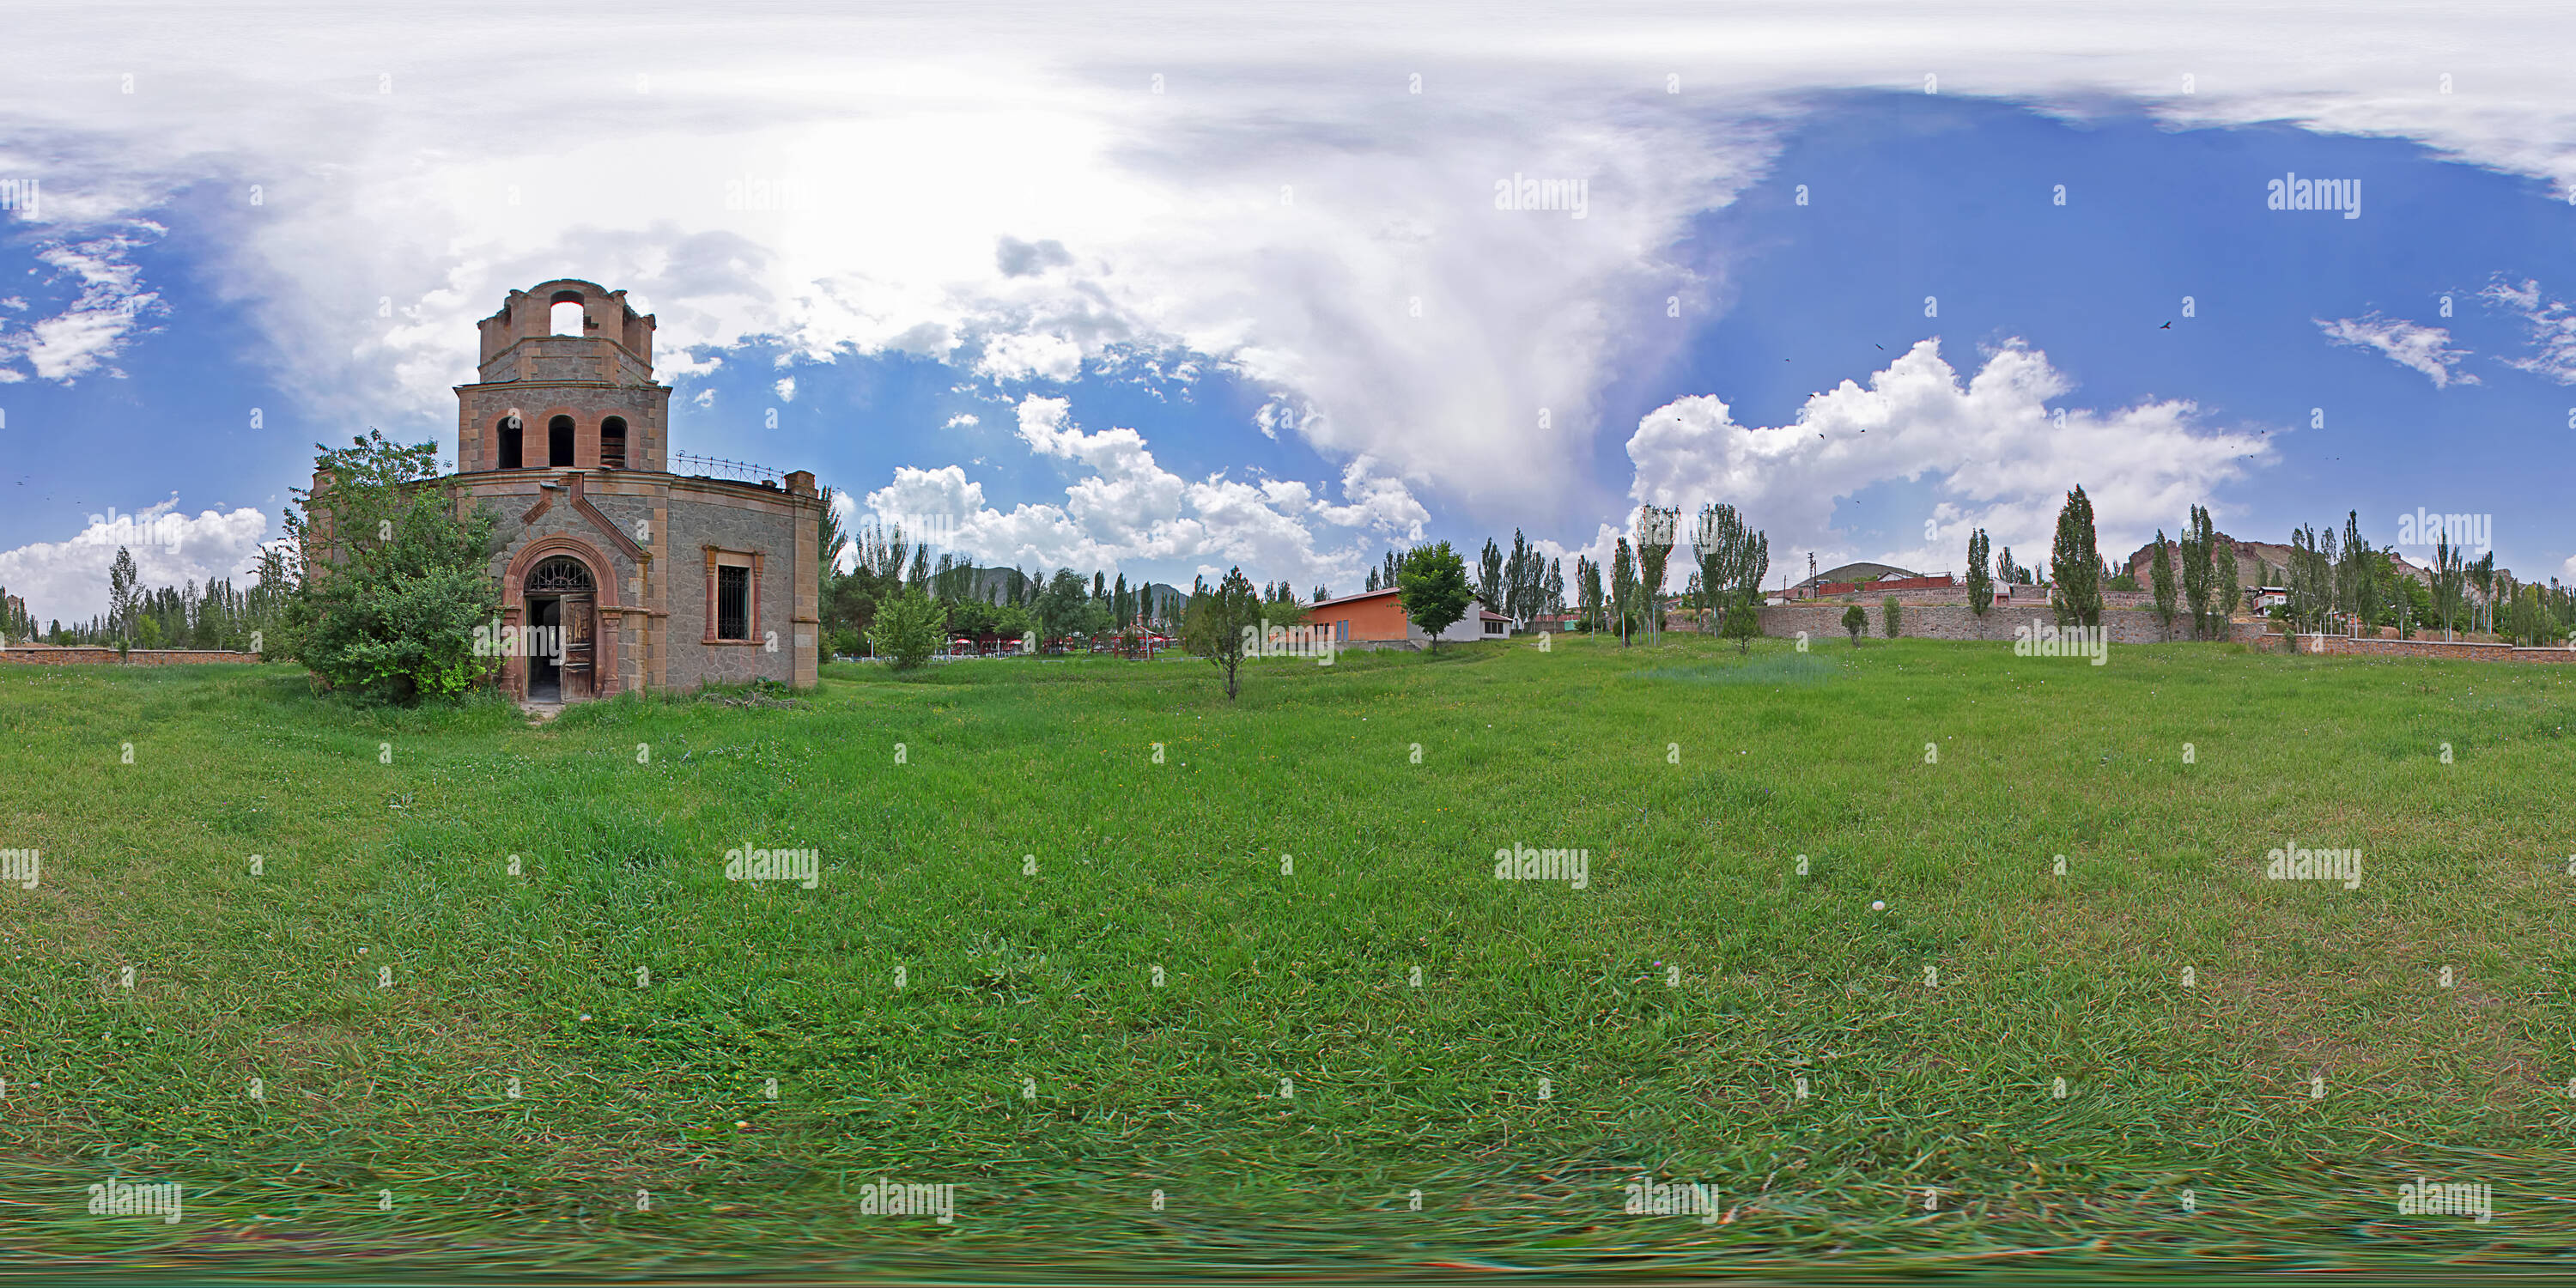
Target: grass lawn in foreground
[{"x": 1274, "y": 977}]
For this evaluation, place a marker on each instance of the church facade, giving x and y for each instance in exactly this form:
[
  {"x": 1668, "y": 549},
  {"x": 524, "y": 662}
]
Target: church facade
[{"x": 657, "y": 581}]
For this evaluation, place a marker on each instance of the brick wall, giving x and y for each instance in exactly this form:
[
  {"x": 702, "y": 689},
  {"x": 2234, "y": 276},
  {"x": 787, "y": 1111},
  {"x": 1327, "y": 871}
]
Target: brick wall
[{"x": 85, "y": 656}]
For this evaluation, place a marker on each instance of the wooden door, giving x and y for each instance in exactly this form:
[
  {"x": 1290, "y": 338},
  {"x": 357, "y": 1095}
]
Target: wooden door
[{"x": 578, "y": 629}]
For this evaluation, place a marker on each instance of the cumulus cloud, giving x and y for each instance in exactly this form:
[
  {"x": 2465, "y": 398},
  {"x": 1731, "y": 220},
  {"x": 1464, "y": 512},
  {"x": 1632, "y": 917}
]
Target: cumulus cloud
[
  {"x": 786, "y": 388},
  {"x": 964, "y": 420},
  {"x": 1127, "y": 508},
  {"x": 1991, "y": 451},
  {"x": 67, "y": 580},
  {"x": 2419, "y": 348},
  {"x": 2552, "y": 324}
]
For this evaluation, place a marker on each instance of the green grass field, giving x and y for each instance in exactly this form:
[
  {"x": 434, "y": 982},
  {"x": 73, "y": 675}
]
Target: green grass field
[{"x": 1288, "y": 901}]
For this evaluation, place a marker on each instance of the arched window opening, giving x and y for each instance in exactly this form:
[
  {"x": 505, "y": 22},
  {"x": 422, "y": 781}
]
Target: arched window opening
[
  {"x": 612, "y": 443},
  {"x": 559, "y": 574},
  {"x": 559, "y": 442},
  {"x": 566, "y": 318},
  {"x": 510, "y": 443}
]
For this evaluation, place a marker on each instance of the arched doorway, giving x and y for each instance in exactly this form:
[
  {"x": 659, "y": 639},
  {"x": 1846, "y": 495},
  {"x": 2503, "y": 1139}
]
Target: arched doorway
[{"x": 561, "y": 598}]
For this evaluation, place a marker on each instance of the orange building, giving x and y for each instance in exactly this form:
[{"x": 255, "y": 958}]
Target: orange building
[{"x": 1377, "y": 617}]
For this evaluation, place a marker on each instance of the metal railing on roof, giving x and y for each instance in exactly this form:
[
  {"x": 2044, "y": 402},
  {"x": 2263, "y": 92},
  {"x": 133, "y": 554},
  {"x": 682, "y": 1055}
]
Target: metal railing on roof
[{"x": 718, "y": 467}]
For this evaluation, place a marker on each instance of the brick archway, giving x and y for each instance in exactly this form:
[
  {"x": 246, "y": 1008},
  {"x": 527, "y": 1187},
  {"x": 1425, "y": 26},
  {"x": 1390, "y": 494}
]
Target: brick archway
[{"x": 606, "y": 679}]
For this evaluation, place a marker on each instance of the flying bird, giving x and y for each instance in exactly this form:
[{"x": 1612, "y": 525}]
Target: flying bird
[{"x": 2166, "y": 327}]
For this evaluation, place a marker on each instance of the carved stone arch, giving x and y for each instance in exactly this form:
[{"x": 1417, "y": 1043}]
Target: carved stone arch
[{"x": 607, "y": 602}]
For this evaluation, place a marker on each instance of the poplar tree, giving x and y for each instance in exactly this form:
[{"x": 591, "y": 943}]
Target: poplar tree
[
  {"x": 1981, "y": 584},
  {"x": 2075, "y": 565}
]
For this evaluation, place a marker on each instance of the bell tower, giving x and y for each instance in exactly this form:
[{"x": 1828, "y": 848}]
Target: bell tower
[{"x": 582, "y": 400}]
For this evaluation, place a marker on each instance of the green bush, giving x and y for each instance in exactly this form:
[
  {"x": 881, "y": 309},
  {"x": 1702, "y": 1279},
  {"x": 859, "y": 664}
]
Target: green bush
[
  {"x": 1742, "y": 624},
  {"x": 394, "y": 583},
  {"x": 1890, "y": 614},
  {"x": 908, "y": 629},
  {"x": 1855, "y": 621}
]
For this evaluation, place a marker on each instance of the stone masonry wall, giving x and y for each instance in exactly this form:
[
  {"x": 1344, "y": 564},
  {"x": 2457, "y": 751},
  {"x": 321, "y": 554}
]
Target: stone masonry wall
[
  {"x": 1955, "y": 622},
  {"x": 696, "y": 524},
  {"x": 2337, "y": 645}
]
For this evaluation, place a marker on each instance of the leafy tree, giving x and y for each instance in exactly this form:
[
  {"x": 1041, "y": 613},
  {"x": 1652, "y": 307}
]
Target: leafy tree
[
  {"x": 835, "y": 541},
  {"x": 1587, "y": 589},
  {"x": 2527, "y": 617},
  {"x": 1623, "y": 587},
  {"x": 1655, "y": 534},
  {"x": 1213, "y": 625},
  {"x": 121, "y": 602},
  {"x": 1489, "y": 576},
  {"x": 1890, "y": 613},
  {"x": 1742, "y": 624},
  {"x": 908, "y": 628},
  {"x": 2482, "y": 574},
  {"x": 2162, "y": 574},
  {"x": 2012, "y": 574},
  {"x": 2075, "y": 565},
  {"x": 1981, "y": 583},
  {"x": 2201, "y": 574},
  {"x": 1434, "y": 585},
  {"x": 1552, "y": 596},
  {"x": 394, "y": 583},
  {"x": 1059, "y": 607},
  {"x": 1855, "y": 621},
  {"x": 2357, "y": 586},
  {"x": 1524, "y": 582}
]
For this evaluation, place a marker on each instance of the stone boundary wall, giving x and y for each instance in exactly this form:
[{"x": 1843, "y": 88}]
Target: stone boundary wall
[
  {"x": 84, "y": 655},
  {"x": 2343, "y": 646},
  {"x": 1955, "y": 622}
]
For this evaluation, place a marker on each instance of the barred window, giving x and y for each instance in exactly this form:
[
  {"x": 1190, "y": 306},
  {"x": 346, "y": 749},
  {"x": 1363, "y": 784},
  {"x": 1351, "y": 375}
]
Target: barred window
[{"x": 733, "y": 603}]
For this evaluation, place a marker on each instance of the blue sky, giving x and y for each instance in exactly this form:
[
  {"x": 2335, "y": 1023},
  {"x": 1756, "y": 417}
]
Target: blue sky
[{"x": 1265, "y": 311}]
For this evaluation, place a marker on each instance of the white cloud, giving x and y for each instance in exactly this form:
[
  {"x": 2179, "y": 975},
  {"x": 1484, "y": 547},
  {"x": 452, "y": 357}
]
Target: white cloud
[
  {"x": 67, "y": 580},
  {"x": 2552, "y": 324},
  {"x": 963, "y": 420},
  {"x": 786, "y": 388},
  {"x": 2420, "y": 348},
  {"x": 1129, "y": 509},
  {"x": 108, "y": 308},
  {"x": 1007, "y": 184},
  {"x": 706, "y": 397},
  {"x": 1990, "y": 450}
]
